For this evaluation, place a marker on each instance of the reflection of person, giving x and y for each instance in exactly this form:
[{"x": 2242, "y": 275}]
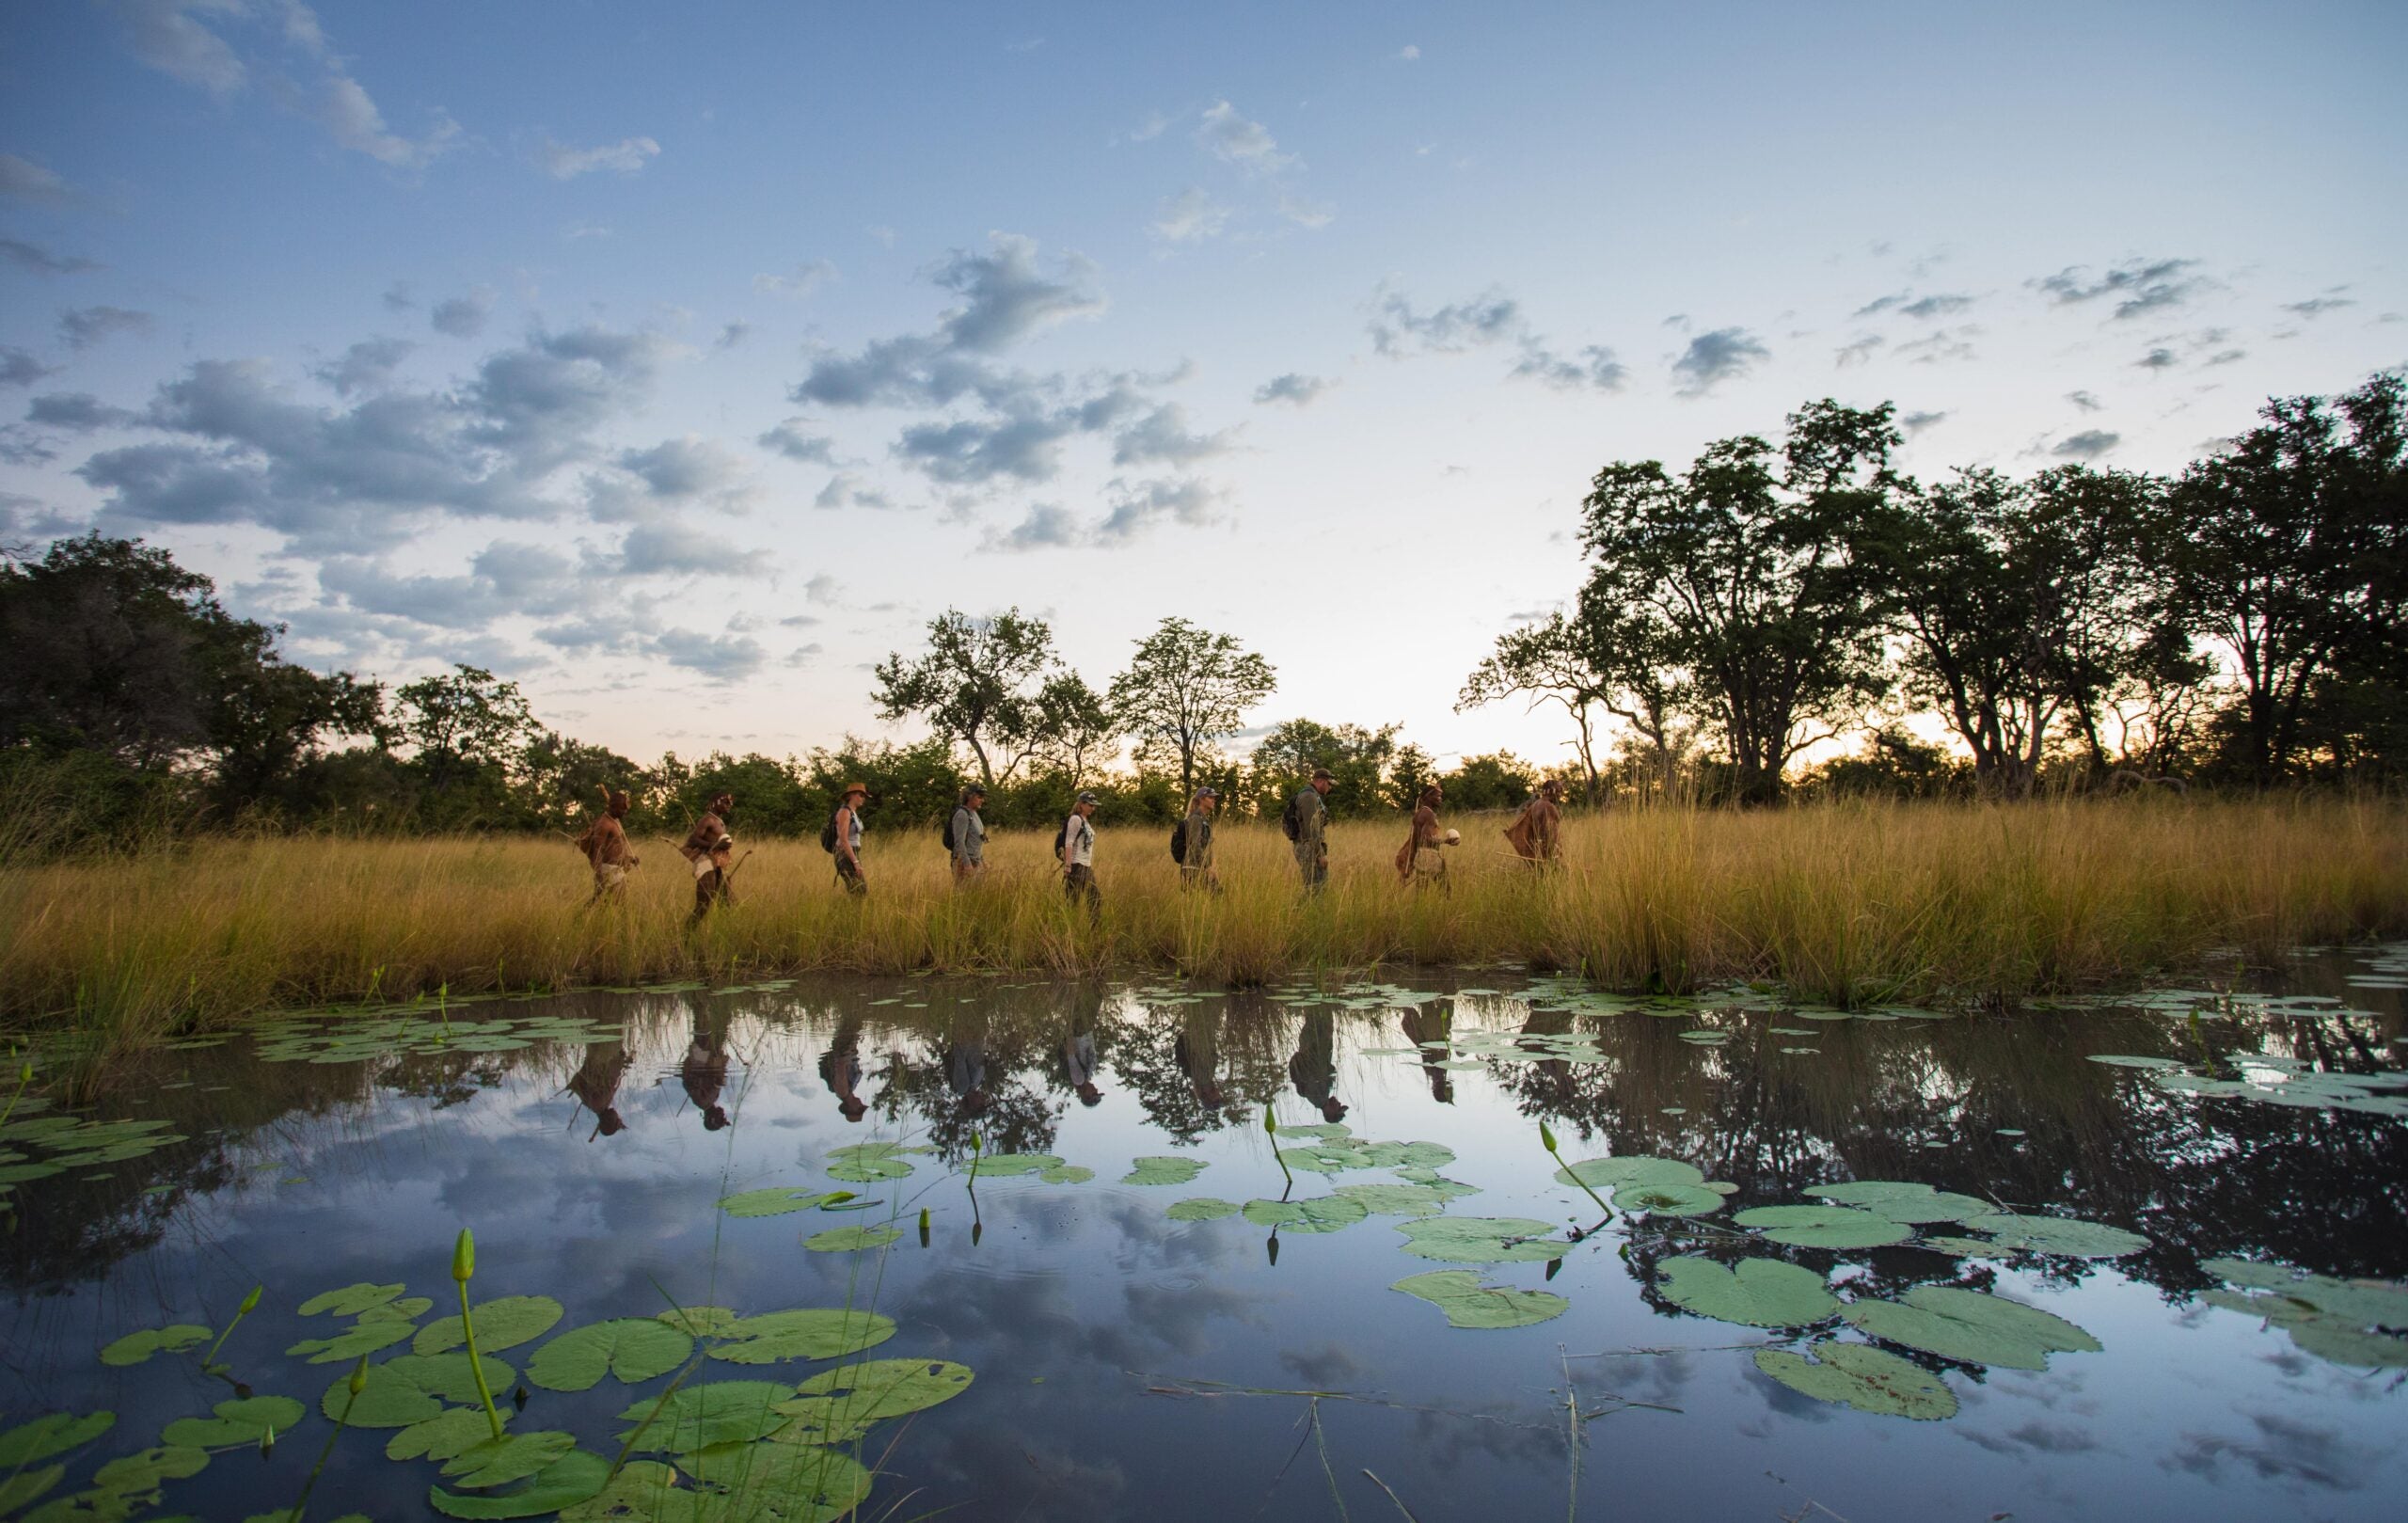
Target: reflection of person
[
  {"x": 1430, "y": 1029},
  {"x": 1195, "y": 856},
  {"x": 970, "y": 835},
  {"x": 606, "y": 848},
  {"x": 595, "y": 1085},
  {"x": 848, "y": 839},
  {"x": 704, "y": 1072},
  {"x": 1078, "y": 855},
  {"x": 1307, "y": 826},
  {"x": 841, "y": 1067},
  {"x": 1537, "y": 832},
  {"x": 711, "y": 852},
  {"x": 966, "y": 1064},
  {"x": 1314, "y": 1068},
  {"x": 1418, "y": 861},
  {"x": 1197, "y": 1049},
  {"x": 1078, "y": 1043}
]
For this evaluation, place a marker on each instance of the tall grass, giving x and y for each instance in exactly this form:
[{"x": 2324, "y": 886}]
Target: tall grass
[{"x": 1848, "y": 903}]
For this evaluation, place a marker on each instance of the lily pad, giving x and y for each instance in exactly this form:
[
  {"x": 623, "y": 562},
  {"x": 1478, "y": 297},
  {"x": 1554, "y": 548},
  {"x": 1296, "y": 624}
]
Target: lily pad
[
  {"x": 837, "y": 1406},
  {"x": 634, "y": 1349},
  {"x": 351, "y": 1300},
  {"x": 363, "y": 1337},
  {"x": 30, "y": 1443},
  {"x": 851, "y": 1239},
  {"x": 644, "y": 1491},
  {"x": 1824, "y": 1226},
  {"x": 1468, "y": 1303},
  {"x": 569, "y": 1480},
  {"x": 802, "y": 1334},
  {"x": 1481, "y": 1240},
  {"x": 412, "y": 1388},
  {"x": 1202, "y": 1207},
  {"x": 513, "y": 1457},
  {"x": 448, "y": 1433},
  {"x": 1759, "y": 1292},
  {"x": 779, "y": 1201},
  {"x": 1163, "y": 1170},
  {"x": 782, "y": 1483},
  {"x": 702, "y": 1322},
  {"x": 1435, "y": 1180},
  {"x": 503, "y": 1323},
  {"x": 699, "y": 1416},
  {"x": 2332, "y": 1340},
  {"x": 2066, "y": 1236},
  {"x": 136, "y": 1348},
  {"x": 866, "y": 1163},
  {"x": 145, "y": 1469},
  {"x": 1861, "y": 1377},
  {"x": 1067, "y": 1174},
  {"x": 1904, "y": 1201},
  {"x": 1670, "y": 1200},
  {"x": 1398, "y": 1200},
  {"x": 1314, "y": 1213},
  {"x": 243, "y": 1420},
  {"x": 1005, "y": 1166},
  {"x": 1638, "y": 1169},
  {"x": 1972, "y": 1327}
]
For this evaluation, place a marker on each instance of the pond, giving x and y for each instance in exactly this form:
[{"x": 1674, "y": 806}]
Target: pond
[{"x": 2115, "y": 1259}]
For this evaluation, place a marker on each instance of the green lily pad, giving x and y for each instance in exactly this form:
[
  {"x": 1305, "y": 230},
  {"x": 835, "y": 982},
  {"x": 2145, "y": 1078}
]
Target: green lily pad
[
  {"x": 408, "y": 1308},
  {"x": 1005, "y": 1166},
  {"x": 1866, "y": 1378},
  {"x": 146, "y": 1470},
  {"x": 244, "y": 1420},
  {"x": 784, "y": 1482},
  {"x": 1314, "y": 1213},
  {"x": 644, "y": 1491},
  {"x": 1481, "y": 1240},
  {"x": 779, "y": 1201},
  {"x": 1163, "y": 1170},
  {"x": 1904, "y": 1201},
  {"x": 1962, "y": 1247},
  {"x": 2335, "y": 1341},
  {"x": 634, "y": 1349},
  {"x": 1972, "y": 1327},
  {"x": 504, "y": 1322},
  {"x": 1067, "y": 1174},
  {"x": 837, "y": 1406},
  {"x": 1398, "y": 1200},
  {"x": 1670, "y": 1200},
  {"x": 1468, "y": 1303},
  {"x": 1322, "y": 1131},
  {"x": 498, "y": 1462},
  {"x": 851, "y": 1239},
  {"x": 569, "y": 1480},
  {"x": 18, "y": 1488},
  {"x": 802, "y": 1334},
  {"x": 351, "y": 1300},
  {"x": 1634, "y": 1169},
  {"x": 866, "y": 1163},
  {"x": 1452, "y": 1189},
  {"x": 30, "y": 1443},
  {"x": 444, "y": 1436},
  {"x": 712, "y": 1412},
  {"x": 1824, "y": 1226},
  {"x": 363, "y": 1337},
  {"x": 1759, "y": 1292},
  {"x": 1202, "y": 1207},
  {"x": 412, "y": 1388},
  {"x": 701, "y": 1321},
  {"x": 136, "y": 1348},
  {"x": 2065, "y": 1236}
]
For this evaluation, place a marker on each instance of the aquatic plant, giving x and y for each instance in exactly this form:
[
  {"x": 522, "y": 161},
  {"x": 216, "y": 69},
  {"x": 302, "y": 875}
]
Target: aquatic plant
[{"x": 464, "y": 1263}]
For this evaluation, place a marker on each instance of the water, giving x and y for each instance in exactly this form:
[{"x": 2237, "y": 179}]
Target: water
[{"x": 1129, "y": 1365}]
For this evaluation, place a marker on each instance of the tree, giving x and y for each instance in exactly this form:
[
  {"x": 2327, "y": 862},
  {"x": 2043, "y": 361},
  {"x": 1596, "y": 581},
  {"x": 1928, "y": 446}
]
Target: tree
[
  {"x": 1598, "y": 659},
  {"x": 1499, "y": 780},
  {"x": 462, "y": 722},
  {"x": 1076, "y": 727},
  {"x": 1187, "y": 687},
  {"x": 975, "y": 686},
  {"x": 1737, "y": 574},
  {"x": 1358, "y": 760}
]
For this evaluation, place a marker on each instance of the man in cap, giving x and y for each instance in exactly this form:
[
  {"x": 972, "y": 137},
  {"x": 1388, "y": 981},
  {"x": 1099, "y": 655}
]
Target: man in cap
[
  {"x": 1196, "y": 843},
  {"x": 712, "y": 853},
  {"x": 848, "y": 839},
  {"x": 606, "y": 848},
  {"x": 969, "y": 834},
  {"x": 1078, "y": 855},
  {"x": 1306, "y": 824},
  {"x": 1537, "y": 832}
]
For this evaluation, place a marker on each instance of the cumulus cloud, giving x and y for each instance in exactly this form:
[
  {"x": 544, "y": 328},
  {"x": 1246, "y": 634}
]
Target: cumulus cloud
[
  {"x": 1162, "y": 435},
  {"x": 2158, "y": 358},
  {"x": 79, "y": 412},
  {"x": 1138, "y": 507},
  {"x": 1004, "y": 298},
  {"x": 972, "y": 452},
  {"x": 2086, "y": 402},
  {"x": 1397, "y": 330},
  {"x": 1915, "y": 423},
  {"x": 1859, "y": 351},
  {"x": 1941, "y": 344},
  {"x": 672, "y": 549},
  {"x": 1190, "y": 216},
  {"x": 1408, "y": 54},
  {"x": 1594, "y": 368},
  {"x": 792, "y": 440},
  {"x": 344, "y": 109},
  {"x": 731, "y": 335},
  {"x": 461, "y": 317},
  {"x": 729, "y": 658},
  {"x": 847, "y": 490},
  {"x": 2138, "y": 286},
  {"x": 25, "y": 181},
  {"x": 1908, "y": 304},
  {"x": 626, "y": 156},
  {"x": 1292, "y": 386},
  {"x": 541, "y": 400},
  {"x": 42, "y": 262},
  {"x": 1046, "y": 526},
  {"x": 166, "y": 36},
  {"x": 2317, "y": 305},
  {"x": 18, "y": 368},
  {"x": 365, "y": 366},
  {"x": 2088, "y": 445},
  {"x": 1713, "y": 358},
  {"x": 1234, "y": 139},
  {"x": 806, "y": 278},
  {"x": 88, "y": 325}
]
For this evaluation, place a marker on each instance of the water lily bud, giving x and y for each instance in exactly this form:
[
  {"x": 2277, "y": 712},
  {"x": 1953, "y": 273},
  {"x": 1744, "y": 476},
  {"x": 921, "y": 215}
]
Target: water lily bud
[
  {"x": 838, "y": 1197},
  {"x": 267, "y": 1441},
  {"x": 251, "y": 1302},
  {"x": 464, "y": 1257},
  {"x": 1546, "y": 1136},
  {"x": 977, "y": 1144},
  {"x": 360, "y": 1375},
  {"x": 1273, "y": 1248},
  {"x": 923, "y": 1227},
  {"x": 1269, "y": 1122}
]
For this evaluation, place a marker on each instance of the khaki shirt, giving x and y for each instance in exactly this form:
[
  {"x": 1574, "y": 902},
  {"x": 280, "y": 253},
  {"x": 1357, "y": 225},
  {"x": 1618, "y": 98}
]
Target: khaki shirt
[
  {"x": 1199, "y": 842},
  {"x": 1312, "y": 818}
]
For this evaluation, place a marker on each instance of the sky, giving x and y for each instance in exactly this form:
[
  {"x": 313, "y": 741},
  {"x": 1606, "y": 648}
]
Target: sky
[{"x": 680, "y": 363}]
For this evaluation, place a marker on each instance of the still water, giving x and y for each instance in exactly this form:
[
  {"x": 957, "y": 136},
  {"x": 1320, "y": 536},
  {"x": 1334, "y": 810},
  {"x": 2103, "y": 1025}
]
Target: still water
[{"x": 2211, "y": 1225}]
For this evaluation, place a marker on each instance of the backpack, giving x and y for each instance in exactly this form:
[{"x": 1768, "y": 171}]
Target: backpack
[
  {"x": 948, "y": 833},
  {"x": 828, "y": 832},
  {"x": 1291, "y": 820},
  {"x": 1179, "y": 843},
  {"x": 1059, "y": 838}
]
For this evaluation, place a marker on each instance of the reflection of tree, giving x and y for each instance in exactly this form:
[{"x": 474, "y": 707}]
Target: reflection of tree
[{"x": 970, "y": 1080}]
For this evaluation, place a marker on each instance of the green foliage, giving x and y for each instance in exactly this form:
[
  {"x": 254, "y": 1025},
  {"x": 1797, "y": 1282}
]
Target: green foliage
[
  {"x": 136, "y": 1348},
  {"x": 243, "y": 1420},
  {"x": 1359, "y": 758},
  {"x": 1824, "y": 1226},
  {"x": 1481, "y": 1240},
  {"x": 1187, "y": 687},
  {"x": 1757, "y": 1292},
  {"x": 633, "y": 1349},
  {"x": 1468, "y": 1303},
  {"x": 1866, "y": 1378},
  {"x": 1971, "y": 1327},
  {"x": 500, "y": 1324},
  {"x": 779, "y": 1336}
]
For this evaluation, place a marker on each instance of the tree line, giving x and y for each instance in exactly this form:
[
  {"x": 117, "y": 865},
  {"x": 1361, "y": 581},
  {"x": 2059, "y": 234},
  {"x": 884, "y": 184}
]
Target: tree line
[{"x": 2242, "y": 623}]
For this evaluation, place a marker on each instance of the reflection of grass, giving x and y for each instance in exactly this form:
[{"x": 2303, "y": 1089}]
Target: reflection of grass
[{"x": 1840, "y": 902}]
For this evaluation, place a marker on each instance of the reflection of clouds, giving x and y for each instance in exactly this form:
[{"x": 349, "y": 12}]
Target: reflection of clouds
[
  {"x": 1326, "y": 1368},
  {"x": 2035, "y": 1437},
  {"x": 2283, "y": 1450}
]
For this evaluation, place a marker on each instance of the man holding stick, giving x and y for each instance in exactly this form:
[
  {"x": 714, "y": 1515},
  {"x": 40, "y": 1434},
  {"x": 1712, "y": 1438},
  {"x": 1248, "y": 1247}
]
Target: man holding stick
[
  {"x": 606, "y": 848},
  {"x": 710, "y": 850}
]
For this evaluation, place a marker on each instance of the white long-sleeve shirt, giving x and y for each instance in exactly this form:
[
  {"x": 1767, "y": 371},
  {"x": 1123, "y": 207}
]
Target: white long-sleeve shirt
[{"x": 1078, "y": 843}]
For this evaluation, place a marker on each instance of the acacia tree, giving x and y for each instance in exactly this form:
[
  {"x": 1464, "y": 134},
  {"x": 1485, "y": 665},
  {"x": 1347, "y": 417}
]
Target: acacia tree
[
  {"x": 1077, "y": 727},
  {"x": 976, "y": 686},
  {"x": 1737, "y": 574},
  {"x": 1588, "y": 662},
  {"x": 464, "y": 721},
  {"x": 1187, "y": 687}
]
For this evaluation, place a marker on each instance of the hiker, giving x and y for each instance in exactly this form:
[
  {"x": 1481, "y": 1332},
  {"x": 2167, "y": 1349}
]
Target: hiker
[
  {"x": 1537, "y": 832},
  {"x": 846, "y": 827},
  {"x": 1417, "y": 862},
  {"x": 704, "y": 1073},
  {"x": 1430, "y": 1028},
  {"x": 606, "y": 848},
  {"x": 1197, "y": 1050},
  {"x": 595, "y": 1085},
  {"x": 712, "y": 851},
  {"x": 1196, "y": 843},
  {"x": 965, "y": 1065},
  {"x": 1305, "y": 821},
  {"x": 1078, "y": 855},
  {"x": 841, "y": 1067},
  {"x": 1314, "y": 1068},
  {"x": 966, "y": 837},
  {"x": 1079, "y": 1061}
]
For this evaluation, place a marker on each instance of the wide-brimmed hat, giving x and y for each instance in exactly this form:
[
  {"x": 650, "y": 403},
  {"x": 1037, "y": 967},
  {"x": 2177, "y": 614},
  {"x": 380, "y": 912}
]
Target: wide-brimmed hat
[
  {"x": 851, "y": 789},
  {"x": 1323, "y": 774}
]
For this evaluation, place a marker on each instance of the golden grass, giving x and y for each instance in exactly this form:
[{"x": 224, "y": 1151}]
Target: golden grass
[{"x": 1840, "y": 902}]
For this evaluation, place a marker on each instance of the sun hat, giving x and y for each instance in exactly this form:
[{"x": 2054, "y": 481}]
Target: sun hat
[
  {"x": 851, "y": 789},
  {"x": 1322, "y": 773}
]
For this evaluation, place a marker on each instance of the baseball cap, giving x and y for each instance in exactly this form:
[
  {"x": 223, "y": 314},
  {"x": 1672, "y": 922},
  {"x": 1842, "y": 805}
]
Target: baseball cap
[
  {"x": 1323, "y": 772},
  {"x": 1208, "y": 793},
  {"x": 1087, "y": 796}
]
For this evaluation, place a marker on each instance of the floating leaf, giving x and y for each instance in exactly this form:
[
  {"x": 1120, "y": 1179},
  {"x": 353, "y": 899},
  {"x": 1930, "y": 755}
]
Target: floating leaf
[
  {"x": 569, "y": 1480},
  {"x": 779, "y": 1201},
  {"x": 851, "y": 1239},
  {"x": 351, "y": 1300},
  {"x": 788, "y": 1483},
  {"x": 1003, "y": 1166},
  {"x": 1435, "y": 1180},
  {"x": 134, "y": 1348},
  {"x": 20, "y": 1487},
  {"x": 1468, "y": 1303},
  {"x": 1202, "y": 1207},
  {"x": 502, "y": 1324},
  {"x": 2063, "y": 1235},
  {"x": 1315, "y": 1213},
  {"x": 1481, "y": 1240},
  {"x": 1067, "y": 1174},
  {"x": 1398, "y": 1200},
  {"x": 1634, "y": 1169},
  {"x": 802, "y": 1334},
  {"x": 866, "y": 1163},
  {"x": 701, "y": 1321},
  {"x": 1759, "y": 1292},
  {"x": 634, "y": 1349},
  {"x": 1161, "y": 1170},
  {"x": 644, "y": 1491},
  {"x": 712, "y": 1412},
  {"x": 2329, "y": 1338},
  {"x": 412, "y": 1388},
  {"x": 29, "y": 1443},
  {"x": 408, "y": 1308},
  {"x": 837, "y": 1406},
  {"x": 445, "y": 1435},
  {"x": 363, "y": 1337},
  {"x": 244, "y": 1420},
  {"x": 1866, "y": 1378},
  {"x": 1670, "y": 1199},
  {"x": 1823, "y": 1227},
  {"x": 1904, "y": 1201},
  {"x": 1972, "y": 1327},
  {"x": 498, "y": 1462},
  {"x": 145, "y": 1470}
]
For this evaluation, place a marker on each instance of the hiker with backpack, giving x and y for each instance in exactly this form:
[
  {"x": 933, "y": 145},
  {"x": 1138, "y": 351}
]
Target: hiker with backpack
[
  {"x": 841, "y": 838},
  {"x": 1191, "y": 843},
  {"x": 965, "y": 836},
  {"x": 1305, "y": 823},
  {"x": 1075, "y": 846}
]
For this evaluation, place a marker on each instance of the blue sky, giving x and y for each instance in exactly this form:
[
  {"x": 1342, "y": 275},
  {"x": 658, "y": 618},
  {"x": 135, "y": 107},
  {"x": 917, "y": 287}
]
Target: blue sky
[{"x": 681, "y": 363}]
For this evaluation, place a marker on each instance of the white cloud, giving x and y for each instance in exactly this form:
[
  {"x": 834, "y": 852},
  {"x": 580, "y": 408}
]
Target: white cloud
[
  {"x": 27, "y": 181},
  {"x": 1408, "y": 54},
  {"x": 626, "y": 156},
  {"x": 1189, "y": 216},
  {"x": 806, "y": 278},
  {"x": 1246, "y": 144}
]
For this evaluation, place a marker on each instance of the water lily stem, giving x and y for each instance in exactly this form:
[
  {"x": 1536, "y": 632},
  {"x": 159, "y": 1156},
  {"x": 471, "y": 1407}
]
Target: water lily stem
[
  {"x": 463, "y": 1264},
  {"x": 1547, "y": 1135},
  {"x": 358, "y": 1382},
  {"x": 250, "y": 1301}
]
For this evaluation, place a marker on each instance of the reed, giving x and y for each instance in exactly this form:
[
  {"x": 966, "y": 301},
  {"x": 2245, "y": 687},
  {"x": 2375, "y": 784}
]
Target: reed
[{"x": 1842, "y": 902}]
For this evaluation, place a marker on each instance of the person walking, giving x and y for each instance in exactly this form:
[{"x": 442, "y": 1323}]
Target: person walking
[
  {"x": 848, "y": 825},
  {"x": 606, "y": 848},
  {"x": 1306, "y": 824},
  {"x": 711, "y": 852},
  {"x": 968, "y": 835},
  {"x": 1537, "y": 832},
  {"x": 1196, "y": 843},
  {"x": 1078, "y": 856},
  {"x": 1418, "y": 861}
]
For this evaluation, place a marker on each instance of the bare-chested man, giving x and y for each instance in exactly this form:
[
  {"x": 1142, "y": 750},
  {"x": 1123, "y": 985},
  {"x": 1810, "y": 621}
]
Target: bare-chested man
[
  {"x": 711, "y": 852},
  {"x": 1537, "y": 832},
  {"x": 1417, "y": 861},
  {"x": 606, "y": 848}
]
